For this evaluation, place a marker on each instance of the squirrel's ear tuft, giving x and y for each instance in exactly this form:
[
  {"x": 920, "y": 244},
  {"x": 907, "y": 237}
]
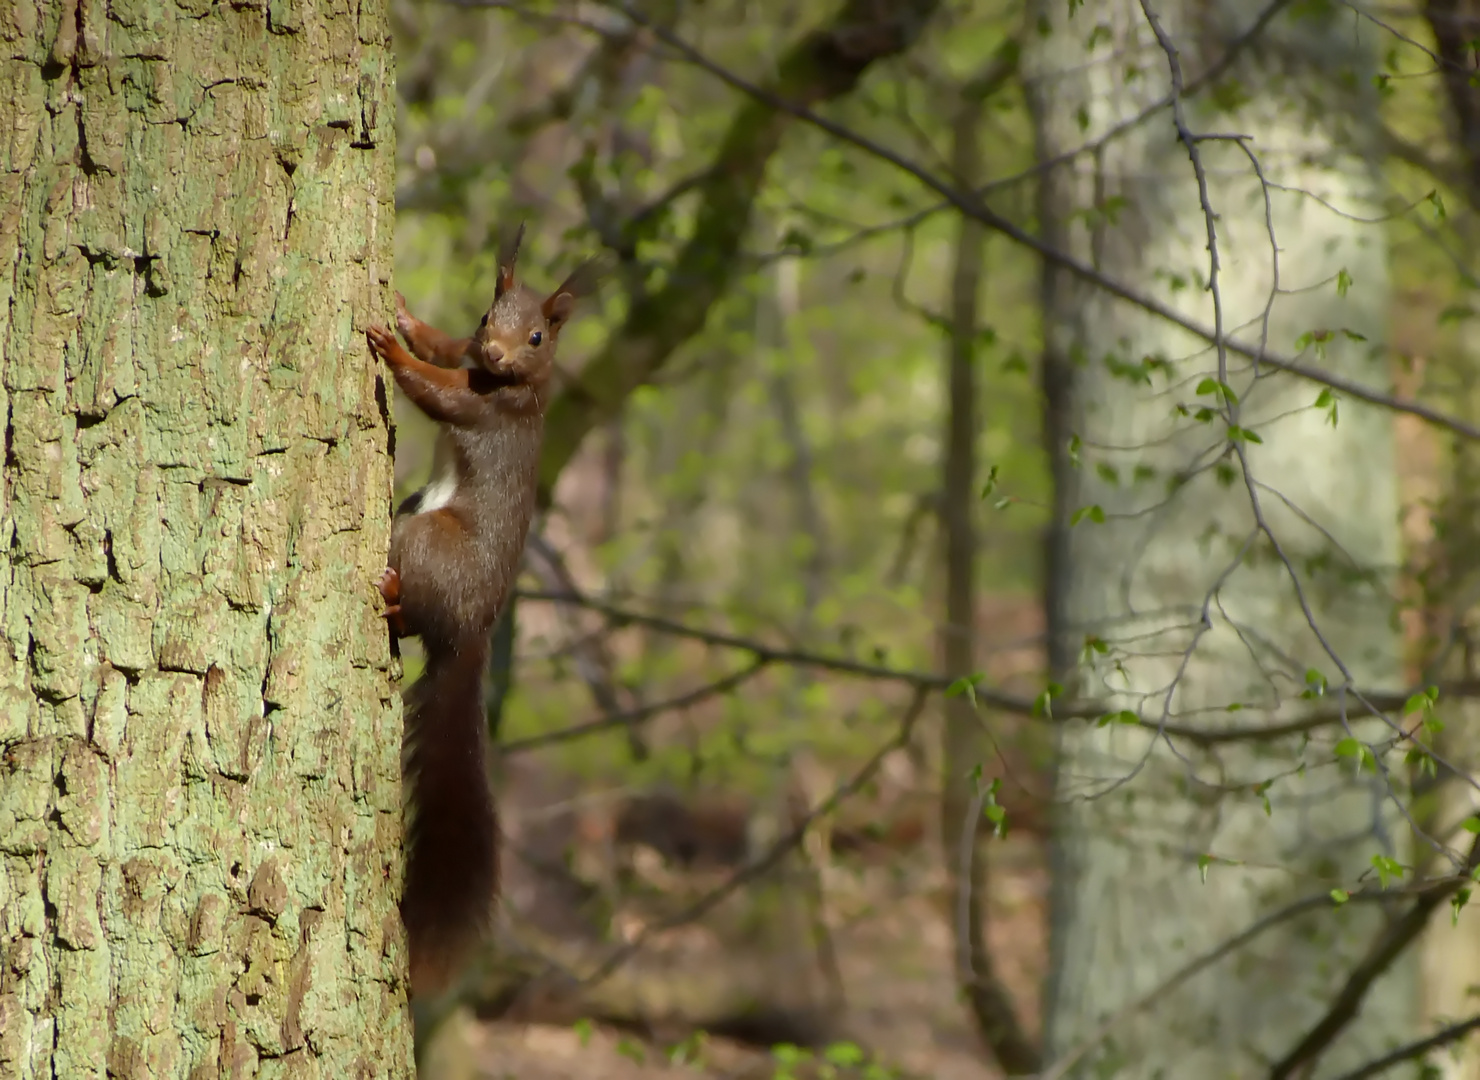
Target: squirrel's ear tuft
[
  {"x": 582, "y": 282},
  {"x": 508, "y": 255}
]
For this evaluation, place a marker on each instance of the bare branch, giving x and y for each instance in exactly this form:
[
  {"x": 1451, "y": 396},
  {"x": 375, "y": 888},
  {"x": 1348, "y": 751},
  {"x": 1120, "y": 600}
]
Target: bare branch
[
  {"x": 632, "y": 717},
  {"x": 1390, "y": 943},
  {"x": 1377, "y": 701},
  {"x": 1415, "y": 1049},
  {"x": 1317, "y": 902},
  {"x": 969, "y": 203},
  {"x": 826, "y": 63}
]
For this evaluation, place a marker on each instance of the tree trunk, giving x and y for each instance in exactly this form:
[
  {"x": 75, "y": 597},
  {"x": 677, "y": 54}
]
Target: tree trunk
[
  {"x": 1167, "y": 566},
  {"x": 967, "y": 747},
  {"x": 199, "y": 788},
  {"x": 1444, "y": 503}
]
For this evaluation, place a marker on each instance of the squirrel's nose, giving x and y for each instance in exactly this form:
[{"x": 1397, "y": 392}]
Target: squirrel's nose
[{"x": 492, "y": 354}]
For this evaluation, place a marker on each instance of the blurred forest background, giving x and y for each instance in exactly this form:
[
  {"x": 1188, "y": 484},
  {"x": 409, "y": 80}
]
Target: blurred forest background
[{"x": 1003, "y": 517}]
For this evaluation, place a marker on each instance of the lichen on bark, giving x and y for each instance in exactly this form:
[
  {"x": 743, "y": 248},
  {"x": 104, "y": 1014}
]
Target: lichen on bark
[{"x": 199, "y": 730}]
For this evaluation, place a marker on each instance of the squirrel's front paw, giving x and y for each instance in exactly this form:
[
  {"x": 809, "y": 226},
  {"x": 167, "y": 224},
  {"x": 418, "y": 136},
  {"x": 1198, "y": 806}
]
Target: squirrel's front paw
[
  {"x": 404, "y": 322},
  {"x": 382, "y": 342}
]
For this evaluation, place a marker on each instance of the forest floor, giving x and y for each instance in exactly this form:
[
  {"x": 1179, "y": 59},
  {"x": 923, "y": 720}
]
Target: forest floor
[
  {"x": 885, "y": 904},
  {"x": 895, "y": 956}
]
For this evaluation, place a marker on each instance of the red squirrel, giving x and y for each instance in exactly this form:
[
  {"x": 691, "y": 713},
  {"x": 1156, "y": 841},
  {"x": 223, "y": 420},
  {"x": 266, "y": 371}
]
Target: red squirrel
[{"x": 454, "y": 554}]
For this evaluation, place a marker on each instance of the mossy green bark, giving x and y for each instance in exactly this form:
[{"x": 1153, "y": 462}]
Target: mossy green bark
[{"x": 199, "y": 730}]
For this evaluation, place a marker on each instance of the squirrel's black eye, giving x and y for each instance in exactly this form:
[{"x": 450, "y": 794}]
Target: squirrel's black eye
[
  {"x": 484, "y": 323},
  {"x": 536, "y": 337}
]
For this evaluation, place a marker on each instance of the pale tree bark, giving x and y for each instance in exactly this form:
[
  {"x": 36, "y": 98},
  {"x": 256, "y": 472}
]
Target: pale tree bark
[
  {"x": 199, "y": 731},
  {"x": 1194, "y": 603},
  {"x": 1442, "y": 526}
]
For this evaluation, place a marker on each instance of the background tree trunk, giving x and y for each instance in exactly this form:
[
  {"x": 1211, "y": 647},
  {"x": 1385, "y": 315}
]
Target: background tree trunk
[
  {"x": 1441, "y": 485},
  {"x": 968, "y": 748},
  {"x": 199, "y": 788},
  {"x": 1177, "y": 513}
]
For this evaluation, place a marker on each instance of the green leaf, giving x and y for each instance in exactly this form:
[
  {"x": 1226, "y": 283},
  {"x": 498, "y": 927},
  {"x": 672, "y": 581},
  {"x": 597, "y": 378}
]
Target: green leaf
[
  {"x": 1343, "y": 282},
  {"x": 789, "y": 1053},
  {"x": 1349, "y": 747},
  {"x": 1217, "y": 389},
  {"x": 1203, "y": 862},
  {"x": 1341, "y": 896},
  {"x": 1388, "y": 869},
  {"x": 1423, "y": 701},
  {"x": 844, "y": 1053},
  {"x": 1043, "y": 703},
  {"x": 991, "y": 484},
  {"x": 1470, "y": 824},
  {"x": 1242, "y": 434},
  {"x": 1093, "y": 512},
  {"x": 965, "y": 685}
]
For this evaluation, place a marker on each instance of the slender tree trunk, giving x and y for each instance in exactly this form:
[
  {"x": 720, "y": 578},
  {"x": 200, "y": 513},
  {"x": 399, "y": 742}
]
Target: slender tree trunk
[
  {"x": 1192, "y": 604},
  {"x": 966, "y": 748},
  {"x": 199, "y": 733}
]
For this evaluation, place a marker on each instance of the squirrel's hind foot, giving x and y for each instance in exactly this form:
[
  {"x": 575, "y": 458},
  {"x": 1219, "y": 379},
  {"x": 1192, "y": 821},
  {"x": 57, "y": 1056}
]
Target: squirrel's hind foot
[{"x": 390, "y": 589}]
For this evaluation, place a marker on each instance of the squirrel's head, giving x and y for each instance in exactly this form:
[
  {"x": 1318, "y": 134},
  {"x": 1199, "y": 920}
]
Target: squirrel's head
[{"x": 516, "y": 339}]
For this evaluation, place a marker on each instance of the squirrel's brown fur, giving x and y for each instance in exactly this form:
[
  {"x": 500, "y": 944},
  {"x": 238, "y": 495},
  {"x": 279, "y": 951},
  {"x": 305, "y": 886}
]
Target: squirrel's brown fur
[{"x": 454, "y": 555}]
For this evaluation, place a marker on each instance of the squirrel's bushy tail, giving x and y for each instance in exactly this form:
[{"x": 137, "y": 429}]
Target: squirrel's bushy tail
[{"x": 451, "y": 820}]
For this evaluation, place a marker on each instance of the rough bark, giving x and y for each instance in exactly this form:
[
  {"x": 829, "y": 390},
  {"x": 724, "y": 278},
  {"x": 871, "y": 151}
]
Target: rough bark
[
  {"x": 1131, "y": 906},
  {"x": 199, "y": 734}
]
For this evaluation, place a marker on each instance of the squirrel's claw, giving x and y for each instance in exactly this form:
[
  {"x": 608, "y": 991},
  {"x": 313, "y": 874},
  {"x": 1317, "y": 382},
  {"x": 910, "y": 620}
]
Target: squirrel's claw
[{"x": 392, "y": 615}]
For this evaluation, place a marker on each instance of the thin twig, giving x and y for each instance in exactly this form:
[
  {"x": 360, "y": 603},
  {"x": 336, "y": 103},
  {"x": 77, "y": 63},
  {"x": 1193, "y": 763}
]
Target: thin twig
[
  {"x": 1390, "y": 943},
  {"x": 969, "y": 203},
  {"x": 1316, "y": 902},
  {"x": 1409, "y": 1051},
  {"x": 1378, "y": 701},
  {"x": 635, "y": 716}
]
